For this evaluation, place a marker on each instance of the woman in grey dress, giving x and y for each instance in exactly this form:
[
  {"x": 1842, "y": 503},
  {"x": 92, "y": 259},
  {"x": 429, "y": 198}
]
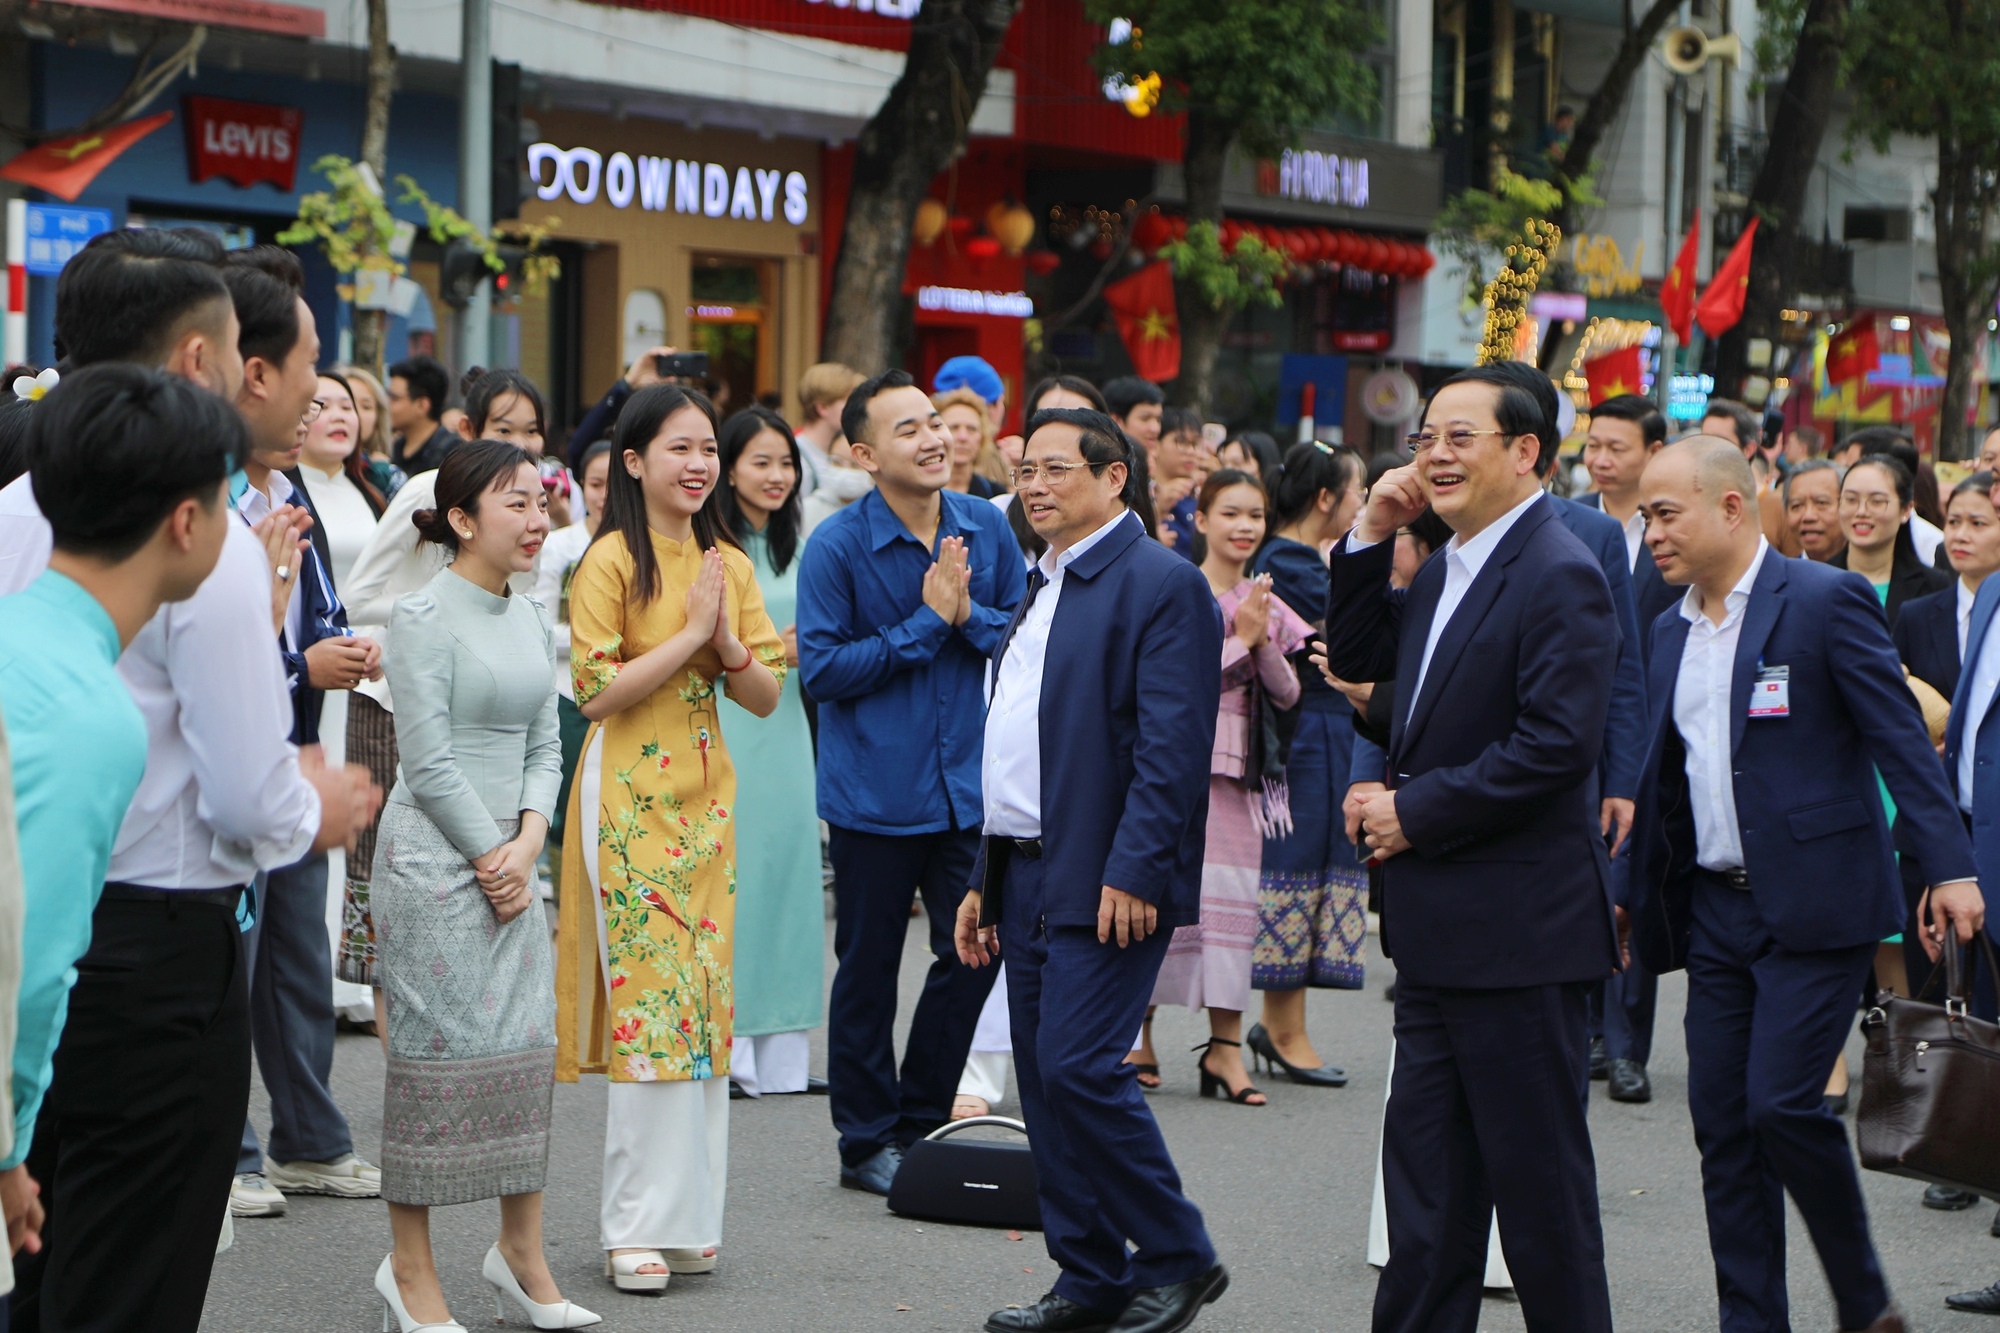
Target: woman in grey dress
[{"x": 462, "y": 944}]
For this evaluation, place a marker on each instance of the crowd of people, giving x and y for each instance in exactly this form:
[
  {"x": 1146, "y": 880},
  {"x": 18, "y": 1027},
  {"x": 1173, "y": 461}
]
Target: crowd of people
[{"x": 354, "y": 681}]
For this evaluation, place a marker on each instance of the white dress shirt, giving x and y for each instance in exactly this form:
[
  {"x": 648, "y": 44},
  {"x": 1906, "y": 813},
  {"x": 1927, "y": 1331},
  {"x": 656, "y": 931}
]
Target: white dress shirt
[
  {"x": 255, "y": 506},
  {"x": 1012, "y": 767},
  {"x": 1965, "y": 598},
  {"x": 25, "y": 540},
  {"x": 1635, "y": 537},
  {"x": 1982, "y": 663},
  {"x": 222, "y": 797},
  {"x": 1462, "y": 562},
  {"x": 1926, "y": 537},
  {"x": 1701, "y": 714}
]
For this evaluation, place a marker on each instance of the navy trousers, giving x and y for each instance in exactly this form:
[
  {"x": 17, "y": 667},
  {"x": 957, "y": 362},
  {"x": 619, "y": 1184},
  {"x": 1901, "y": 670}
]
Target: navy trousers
[
  {"x": 291, "y": 1018},
  {"x": 874, "y": 876},
  {"x": 1102, "y": 1169},
  {"x": 1763, "y": 1027},
  {"x": 1484, "y": 1114},
  {"x": 1621, "y": 1012}
]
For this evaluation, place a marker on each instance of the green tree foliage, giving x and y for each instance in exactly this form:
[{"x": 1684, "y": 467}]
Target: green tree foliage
[
  {"x": 1227, "y": 279},
  {"x": 1931, "y": 68},
  {"x": 1248, "y": 76}
]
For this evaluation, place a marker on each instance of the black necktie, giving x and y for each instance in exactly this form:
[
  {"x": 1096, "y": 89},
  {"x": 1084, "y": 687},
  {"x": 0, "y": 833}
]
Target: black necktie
[{"x": 1036, "y": 582}]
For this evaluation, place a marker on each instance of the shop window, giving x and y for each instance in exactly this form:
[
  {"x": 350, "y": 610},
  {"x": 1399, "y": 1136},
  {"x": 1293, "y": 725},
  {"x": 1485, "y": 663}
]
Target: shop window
[
  {"x": 719, "y": 281},
  {"x": 729, "y": 316}
]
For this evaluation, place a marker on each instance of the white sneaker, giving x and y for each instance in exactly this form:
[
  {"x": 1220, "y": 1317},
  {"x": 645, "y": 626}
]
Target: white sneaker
[
  {"x": 253, "y": 1196},
  {"x": 346, "y": 1177}
]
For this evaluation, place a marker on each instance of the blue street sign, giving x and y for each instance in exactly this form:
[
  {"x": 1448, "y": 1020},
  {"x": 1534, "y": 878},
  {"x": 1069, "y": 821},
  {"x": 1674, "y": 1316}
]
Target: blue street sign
[{"x": 57, "y": 231}]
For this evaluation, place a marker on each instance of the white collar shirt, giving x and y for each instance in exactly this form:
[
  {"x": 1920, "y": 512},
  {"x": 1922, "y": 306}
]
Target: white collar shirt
[
  {"x": 254, "y": 505},
  {"x": 1701, "y": 715},
  {"x": 222, "y": 796},
  {"x": 1635, "y": 537},
  {"x": 1462, "y": 562},
  {"x": 1012, "y": 761},
  {"x": 1965, "y": 599}
]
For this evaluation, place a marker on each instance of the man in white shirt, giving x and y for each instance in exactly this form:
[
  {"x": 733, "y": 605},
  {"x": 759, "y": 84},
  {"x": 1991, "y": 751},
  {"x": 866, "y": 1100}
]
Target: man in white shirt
[
  {"x": 1762, "y": 864},
  {"x": 1095, "y": 782},
  {"x": 138, "y": 1135}
]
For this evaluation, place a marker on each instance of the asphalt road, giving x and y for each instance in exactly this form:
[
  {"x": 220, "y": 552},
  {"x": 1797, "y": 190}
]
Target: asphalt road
[{"x": 1285, "y": 1190}]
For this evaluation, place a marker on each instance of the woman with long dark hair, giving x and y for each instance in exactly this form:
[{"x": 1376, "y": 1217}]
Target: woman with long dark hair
[
  {"x": 1877, "y": 497},
  {"x": 664, "y": 612},
  {"x": 780, "y": 915}
]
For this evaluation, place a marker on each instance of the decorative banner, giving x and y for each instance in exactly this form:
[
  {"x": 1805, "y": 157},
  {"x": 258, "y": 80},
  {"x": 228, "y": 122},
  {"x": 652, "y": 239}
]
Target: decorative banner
[
  {"x": 1615, "y": 373},
  {"x": 66, "y": 167},
  {"x": 1722, "y": 304},
  {"x": 244, "y": 142},
  {"x": 1677, "y": 292},
  {"x": 1144, "y": 307}
]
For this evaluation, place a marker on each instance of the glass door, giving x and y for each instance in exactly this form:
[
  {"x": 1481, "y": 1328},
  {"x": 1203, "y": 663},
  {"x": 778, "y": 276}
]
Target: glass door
[{"x": 729, "y": 317}]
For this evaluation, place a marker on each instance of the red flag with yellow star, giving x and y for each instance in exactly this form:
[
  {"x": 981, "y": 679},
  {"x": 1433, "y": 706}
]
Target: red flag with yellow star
[
  {"x": 1144, "y": 307},
  {"x": 1614, "y": 373},
  {"x": 66, "y": 167},
  {"x": 1722, "y": 304},
  {"x": 1677, "y": 291}
]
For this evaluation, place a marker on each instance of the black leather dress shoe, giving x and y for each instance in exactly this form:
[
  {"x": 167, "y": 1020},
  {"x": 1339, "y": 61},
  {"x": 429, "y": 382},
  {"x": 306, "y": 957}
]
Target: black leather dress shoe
[
  {"x": 1600, "y": 1061},
  {"x": 1948, "y": 1200},
  {"x": 1629, "y": 1082},
  {"x": 1050, "y": 1314},
  {"x": 736, "y": 1093},
  {"x": 1976, "y": 1302},
  {"x": 1172, "y": 1308},
  {"x": 815, "y": 1086}
]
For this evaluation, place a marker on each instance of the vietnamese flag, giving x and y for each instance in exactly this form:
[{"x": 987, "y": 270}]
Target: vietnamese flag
[
  {"x": 1144, "y": 307},
  {"x": 1722, "y": 304},
  {"x": 1614, "y": 373},
  {"x": 1677, "y": 292},
  {"x": 66, "y": 167}
]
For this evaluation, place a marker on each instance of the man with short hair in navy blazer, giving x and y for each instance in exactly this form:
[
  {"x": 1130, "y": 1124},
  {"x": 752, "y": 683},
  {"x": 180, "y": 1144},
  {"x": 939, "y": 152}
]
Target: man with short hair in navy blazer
[
  {"x": 1493, "y": 858},
  {"x": 1762, "y": 864},
  {"x": 1095, "y": 776}
]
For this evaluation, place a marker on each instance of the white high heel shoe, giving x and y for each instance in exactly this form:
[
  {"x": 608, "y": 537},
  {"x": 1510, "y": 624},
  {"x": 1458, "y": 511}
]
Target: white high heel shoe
[
  {"x": 396, "y": 1319},
  {"x": 564, "y": 1314}
]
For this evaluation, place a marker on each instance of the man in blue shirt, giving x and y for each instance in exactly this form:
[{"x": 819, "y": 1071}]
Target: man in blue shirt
[
  {"x": 129, "y": 467},
  {"x": 903, "y": 595}
]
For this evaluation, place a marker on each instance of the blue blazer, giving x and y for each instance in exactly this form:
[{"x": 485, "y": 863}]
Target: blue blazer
[
  {"x": 1815, "y": 837},
  {"x": 1650, "y": 589},
  {"x": 1507, "y": 882},
  {"x": 1131, "y": 683},
  {"x": 1625, "y": 725},
  {"x": 1926, "y": 638},
  {"x": 1986, "y": 754}
]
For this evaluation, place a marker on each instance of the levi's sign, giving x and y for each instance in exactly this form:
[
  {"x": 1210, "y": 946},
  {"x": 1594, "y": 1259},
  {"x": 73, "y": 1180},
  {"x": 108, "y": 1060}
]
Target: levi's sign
[
  {"x": 244, "y": 142},
  {"x": 658, "y": 183}
]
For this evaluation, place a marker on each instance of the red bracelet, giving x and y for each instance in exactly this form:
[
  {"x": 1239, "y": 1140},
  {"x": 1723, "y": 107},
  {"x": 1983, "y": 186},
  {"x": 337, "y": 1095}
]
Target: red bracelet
[{"x": 748, "y": 658}]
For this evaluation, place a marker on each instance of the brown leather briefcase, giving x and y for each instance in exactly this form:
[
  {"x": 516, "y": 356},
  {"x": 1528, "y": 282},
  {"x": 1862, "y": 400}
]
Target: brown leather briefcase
[{"x": 1930, "y": 1085}]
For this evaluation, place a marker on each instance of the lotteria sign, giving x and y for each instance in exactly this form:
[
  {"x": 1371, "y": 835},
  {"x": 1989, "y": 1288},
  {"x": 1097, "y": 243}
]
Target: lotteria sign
[{"x": 709, "y": 189}]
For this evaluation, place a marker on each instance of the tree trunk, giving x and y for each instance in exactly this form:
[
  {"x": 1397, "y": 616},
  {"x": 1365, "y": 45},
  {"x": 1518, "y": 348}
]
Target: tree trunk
[
  {"x": 369, "y": 325},
  {"x": 1963, "y": 207},
  {"x": 920, "y": 127},
  {"x": 1779, "y": 194},
  {"x": 1606, "y": 103},
  {"x": 1201, "y": 324}
]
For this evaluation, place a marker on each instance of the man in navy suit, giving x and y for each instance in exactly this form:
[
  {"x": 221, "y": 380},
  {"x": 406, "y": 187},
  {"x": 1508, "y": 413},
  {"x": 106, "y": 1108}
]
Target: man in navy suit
[
  {"x": 1762, "y": 864},
  {"x": 1625, "y": 432},
  {"x": 1493, "y": 858},
  {"x": 1095, "y": 776}
]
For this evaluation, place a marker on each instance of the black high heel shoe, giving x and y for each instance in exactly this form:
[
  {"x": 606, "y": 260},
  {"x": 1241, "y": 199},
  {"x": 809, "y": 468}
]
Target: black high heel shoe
[
  {"x": 1214, "y": 1085},
  {"x": 1261, "y": 1046}
]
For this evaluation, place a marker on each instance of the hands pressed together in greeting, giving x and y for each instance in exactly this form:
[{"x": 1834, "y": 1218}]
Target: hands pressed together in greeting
[{"x": 948, "y": 582}]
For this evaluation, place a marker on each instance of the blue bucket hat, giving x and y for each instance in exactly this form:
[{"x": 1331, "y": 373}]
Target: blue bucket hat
[{"x": 969, "y": 372}]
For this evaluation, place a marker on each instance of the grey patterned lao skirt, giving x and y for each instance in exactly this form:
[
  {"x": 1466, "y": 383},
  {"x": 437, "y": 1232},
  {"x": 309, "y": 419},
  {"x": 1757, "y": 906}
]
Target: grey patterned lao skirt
[{"x": 472, "y": 1012}]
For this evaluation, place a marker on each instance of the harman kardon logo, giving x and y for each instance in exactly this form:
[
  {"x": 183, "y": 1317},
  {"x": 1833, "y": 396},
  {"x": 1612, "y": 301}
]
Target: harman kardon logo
[{"x": 978, "y": 1185}]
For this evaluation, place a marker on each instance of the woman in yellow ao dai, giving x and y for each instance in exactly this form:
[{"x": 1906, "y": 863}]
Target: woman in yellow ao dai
[{"x": 664, "y": 611}]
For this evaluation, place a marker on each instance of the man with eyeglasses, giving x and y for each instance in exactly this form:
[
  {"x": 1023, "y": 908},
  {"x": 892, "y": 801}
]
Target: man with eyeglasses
[{"x": 1493, "y": 857}]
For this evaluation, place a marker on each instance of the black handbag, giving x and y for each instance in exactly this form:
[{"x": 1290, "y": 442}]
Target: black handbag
[
  {"x": 984, "y": 1182},
  {"x": 1930, "y": 1084}
]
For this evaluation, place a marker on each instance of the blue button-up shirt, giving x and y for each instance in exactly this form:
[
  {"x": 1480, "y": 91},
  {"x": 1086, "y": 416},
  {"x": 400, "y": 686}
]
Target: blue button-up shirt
[
  {"x": 79, "y": 749},
  {"x": 902, "y": 694}
]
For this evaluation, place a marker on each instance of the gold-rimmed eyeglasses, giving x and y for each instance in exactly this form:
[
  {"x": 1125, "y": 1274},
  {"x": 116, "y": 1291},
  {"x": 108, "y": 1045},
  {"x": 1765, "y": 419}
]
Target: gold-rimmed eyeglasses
[
  {"x": 1422, "y": 443},
  {"x": 1055, "y": 472}
]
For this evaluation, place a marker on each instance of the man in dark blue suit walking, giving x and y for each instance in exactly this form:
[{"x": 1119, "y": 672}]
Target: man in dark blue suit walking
[
  {"x": 1095, "y": 776},
  {"x": 1762, "y": 864},
  {"x": 1493, "y": 858}
]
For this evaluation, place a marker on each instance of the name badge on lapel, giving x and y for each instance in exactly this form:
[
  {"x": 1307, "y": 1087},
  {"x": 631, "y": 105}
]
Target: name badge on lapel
[{"x": 1771, "y": 695}]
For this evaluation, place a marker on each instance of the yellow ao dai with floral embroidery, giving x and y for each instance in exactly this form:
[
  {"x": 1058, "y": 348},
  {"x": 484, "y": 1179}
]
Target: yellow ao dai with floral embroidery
[{"x": 645, "y": 992}]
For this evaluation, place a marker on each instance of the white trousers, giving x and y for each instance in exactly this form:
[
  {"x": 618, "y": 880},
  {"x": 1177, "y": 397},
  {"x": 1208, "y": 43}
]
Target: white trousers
[
  {"x": 985, "y": 1076},
  {"x": 1378, "y": 1211},
  {"x": 774, "y": 1062},
  {"x": 666, "y": 1144}
]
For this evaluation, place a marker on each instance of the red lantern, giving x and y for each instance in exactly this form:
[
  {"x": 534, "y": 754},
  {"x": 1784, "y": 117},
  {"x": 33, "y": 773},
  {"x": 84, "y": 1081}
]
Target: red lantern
[
  {"x": 1377, "y": 255},
  {"x": 982, "y": 247},
  {"x": 1399, "y": 259},
  {"x": 1329, "y": 243},
  {"x": 961, "y": 226},
  {"x": 1230, "y": 234},
  {"x": 1349, "y": 247},
  {"x": 1044, "y": 262},
  {"x": 1426, "y": 261},
  {"x": 1179, "y": 223},
  {"x": 1151, "y": 231}
]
